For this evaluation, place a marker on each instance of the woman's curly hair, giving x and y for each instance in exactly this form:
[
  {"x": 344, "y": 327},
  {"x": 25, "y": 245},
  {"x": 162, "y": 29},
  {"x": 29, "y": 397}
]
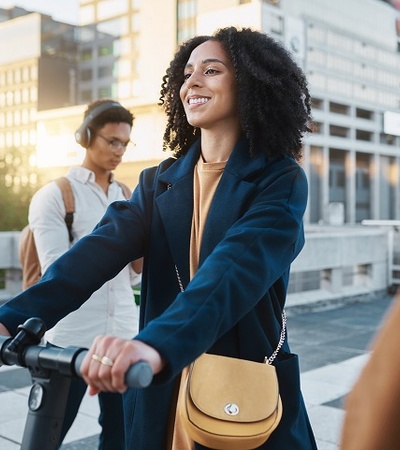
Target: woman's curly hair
[{"x": 273, "y": 97}]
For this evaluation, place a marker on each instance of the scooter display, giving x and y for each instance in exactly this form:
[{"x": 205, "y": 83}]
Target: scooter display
[{"x": 51, "y": 370}]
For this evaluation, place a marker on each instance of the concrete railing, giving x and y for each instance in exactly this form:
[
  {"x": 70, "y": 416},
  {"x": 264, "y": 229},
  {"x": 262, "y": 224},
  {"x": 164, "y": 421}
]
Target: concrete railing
[
  {"x": 336, "y": 262},
  {"x": 340, "y": 262},
  {"x": 10, "y": 268}
]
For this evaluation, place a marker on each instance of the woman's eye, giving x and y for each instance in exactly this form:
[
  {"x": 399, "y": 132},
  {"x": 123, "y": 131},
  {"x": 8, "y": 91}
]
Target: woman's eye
[
  {"x": 186, "y": 76},
  {"x": 210, "y": 71}
]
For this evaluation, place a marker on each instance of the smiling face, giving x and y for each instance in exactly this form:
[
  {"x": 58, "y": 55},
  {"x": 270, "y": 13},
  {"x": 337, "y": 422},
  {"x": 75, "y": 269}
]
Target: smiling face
[{"x": 208, "y": 93}]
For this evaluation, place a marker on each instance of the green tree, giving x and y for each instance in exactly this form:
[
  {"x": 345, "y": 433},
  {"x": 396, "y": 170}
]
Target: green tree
[{"x": 18, "y": 182}]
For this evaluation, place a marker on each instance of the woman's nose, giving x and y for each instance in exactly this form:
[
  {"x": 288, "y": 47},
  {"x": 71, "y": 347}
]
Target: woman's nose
[{"x": 193, "y": 80}]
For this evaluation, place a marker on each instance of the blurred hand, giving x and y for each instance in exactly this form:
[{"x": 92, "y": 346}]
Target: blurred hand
[
  {"x": 120, "y": 355},
  {"x": 4, "y": 331}
]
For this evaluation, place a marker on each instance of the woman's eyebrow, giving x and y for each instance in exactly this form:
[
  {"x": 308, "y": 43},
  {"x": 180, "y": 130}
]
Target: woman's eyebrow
[{"x": 207, "y": 61}]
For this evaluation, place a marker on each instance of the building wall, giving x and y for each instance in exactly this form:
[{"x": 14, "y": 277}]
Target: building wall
[{"x": 349, "y": 50}]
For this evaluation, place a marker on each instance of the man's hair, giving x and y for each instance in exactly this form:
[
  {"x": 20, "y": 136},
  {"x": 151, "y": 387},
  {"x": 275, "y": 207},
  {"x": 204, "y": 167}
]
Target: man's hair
[
  {"x": 273, "y": 98},
  {"x": 110, "y": 115}
]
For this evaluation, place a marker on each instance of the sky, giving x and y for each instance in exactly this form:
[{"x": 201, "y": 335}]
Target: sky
[{"x": 62, "y": 10}]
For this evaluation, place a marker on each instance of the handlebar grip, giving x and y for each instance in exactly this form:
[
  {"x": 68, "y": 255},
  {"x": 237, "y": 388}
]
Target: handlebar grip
[{"x": 138, "y": 375}]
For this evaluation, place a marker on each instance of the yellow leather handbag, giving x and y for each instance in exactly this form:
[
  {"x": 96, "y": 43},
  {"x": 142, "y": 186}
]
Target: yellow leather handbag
[{"x": 230, "y": 403}]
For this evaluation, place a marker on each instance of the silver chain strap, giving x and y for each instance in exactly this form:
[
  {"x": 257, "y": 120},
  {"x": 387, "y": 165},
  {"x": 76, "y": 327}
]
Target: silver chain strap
[
  {"x": 271, "y": 359},
  {"x": 179, "y": 279}
]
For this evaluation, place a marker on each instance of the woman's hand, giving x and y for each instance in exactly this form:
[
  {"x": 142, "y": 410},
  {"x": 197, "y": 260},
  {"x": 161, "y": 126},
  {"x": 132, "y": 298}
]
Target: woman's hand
[
  {"x": 4, "y": 331},
  {"x": 107, "y": 361}
]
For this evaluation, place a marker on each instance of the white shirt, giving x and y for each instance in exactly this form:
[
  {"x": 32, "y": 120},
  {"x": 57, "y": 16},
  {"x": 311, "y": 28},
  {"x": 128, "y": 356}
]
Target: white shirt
[{"x": 111, "y": 309}]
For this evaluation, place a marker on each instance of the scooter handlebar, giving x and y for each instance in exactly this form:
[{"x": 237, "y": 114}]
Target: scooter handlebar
[{"x": 66, "y": 361}]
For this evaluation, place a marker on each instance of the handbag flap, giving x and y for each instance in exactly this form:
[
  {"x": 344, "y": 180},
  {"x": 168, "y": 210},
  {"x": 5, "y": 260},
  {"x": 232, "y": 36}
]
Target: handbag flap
[{"x": 233, "y": 389}]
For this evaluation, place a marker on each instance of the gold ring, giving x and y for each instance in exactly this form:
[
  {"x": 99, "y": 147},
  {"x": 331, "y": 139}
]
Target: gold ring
[
  {"x": 97, "y": 358},
  {"x": 107, "y": 361}
]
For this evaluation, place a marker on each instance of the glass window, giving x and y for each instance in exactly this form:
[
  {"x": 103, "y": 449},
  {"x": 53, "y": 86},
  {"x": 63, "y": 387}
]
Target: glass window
[
  {"x": 364, "y": 114},
  {"x": 9, "y": 119},
  {"x": 317, "y": 103},
  {"x": 17, "y": 76},
  {"x": 34, "y": 73},
  {"x": 317, "y": 57},
  {"x": 105, "y": 50},
  {"x": 17, "y": 117},
  {"x": 317, "y": 127},
  {"x": 316, "y": 33},
  {"x": 105, "y": 92},
  {"x": 362, "y": 135},
  {"x": 105, "y": 71},
  {"x": 277, "y": 24},
  {"x": 25, "y": 74},
  {"x": 86, "y": 74},
  {"x": 335, "y": 130},
  {"x": 86, "y": 95},
  {"x": 33, "y": 94},
  {"x": 86, "y": 54},
  {"x": 338, "y": 108}
]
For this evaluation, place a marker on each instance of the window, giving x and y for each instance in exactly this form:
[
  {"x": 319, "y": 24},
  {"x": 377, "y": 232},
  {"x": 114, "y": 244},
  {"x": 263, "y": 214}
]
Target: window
[
  {"x": 105, "y": 50},
  {"x": 337, "y": 131},
  {"x": 304, "y": 281},
  {"x": 317, "y": 103},
  {"x": 338, "y": 108},
  {"x": 105, "y": 92},
  {"x": 86, "y": 54},
  {"x": 105, "y": 71},
  {"x": 364, "y": 114},
  {"x": 86, "y": 74},
  {"x": 362, "y": 135},
  {"x": 86, "y": 95},
  {"x": 317, "y": 127}
]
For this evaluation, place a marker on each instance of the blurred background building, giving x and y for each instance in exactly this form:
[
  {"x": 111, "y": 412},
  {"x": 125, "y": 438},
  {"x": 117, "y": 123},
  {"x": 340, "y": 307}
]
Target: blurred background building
[{"x": 349, "y": 49}]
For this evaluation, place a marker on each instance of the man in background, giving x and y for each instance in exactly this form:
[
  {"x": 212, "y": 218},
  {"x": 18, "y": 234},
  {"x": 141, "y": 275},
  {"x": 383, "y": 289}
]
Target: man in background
[{"x": 105, "y": 134}]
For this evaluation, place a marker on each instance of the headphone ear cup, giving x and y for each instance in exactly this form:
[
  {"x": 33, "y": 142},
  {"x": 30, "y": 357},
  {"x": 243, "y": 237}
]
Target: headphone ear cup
[
  {"x": 87, "y": 135},
  {"x": 83, "y": 136}
]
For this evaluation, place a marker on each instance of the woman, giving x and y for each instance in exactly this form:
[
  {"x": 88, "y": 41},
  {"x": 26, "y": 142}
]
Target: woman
[{"x": 223, "y": 220}]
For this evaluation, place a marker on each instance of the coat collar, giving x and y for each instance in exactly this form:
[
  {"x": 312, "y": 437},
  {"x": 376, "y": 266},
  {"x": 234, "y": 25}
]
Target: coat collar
[{"x": 176, "y": 202}]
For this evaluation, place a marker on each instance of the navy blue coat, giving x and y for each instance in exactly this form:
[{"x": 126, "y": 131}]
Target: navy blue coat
[{"x": 232, "y": 306}]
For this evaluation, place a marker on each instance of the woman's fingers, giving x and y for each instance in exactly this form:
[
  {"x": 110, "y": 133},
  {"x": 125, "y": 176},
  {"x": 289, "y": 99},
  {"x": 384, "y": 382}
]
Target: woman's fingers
[{"x": 107, "y": 361}]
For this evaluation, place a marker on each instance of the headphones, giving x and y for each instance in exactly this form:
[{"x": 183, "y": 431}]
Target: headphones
[{"x": 82, "y": 134}]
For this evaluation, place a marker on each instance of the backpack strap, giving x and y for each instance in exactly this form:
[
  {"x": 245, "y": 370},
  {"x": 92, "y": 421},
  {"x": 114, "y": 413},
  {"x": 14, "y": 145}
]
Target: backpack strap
[
  {"x": 69, "y": 201},
  {"x": 126, "y": 190}
]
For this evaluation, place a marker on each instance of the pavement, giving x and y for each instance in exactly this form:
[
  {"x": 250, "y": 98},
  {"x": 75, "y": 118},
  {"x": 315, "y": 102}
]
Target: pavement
[{"x": 332, "y": 341}]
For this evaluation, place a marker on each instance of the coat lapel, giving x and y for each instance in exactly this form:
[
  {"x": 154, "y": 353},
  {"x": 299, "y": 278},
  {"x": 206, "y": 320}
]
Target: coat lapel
[
  {"x": 231, "y": 196},
  {"x": 175, "y": 202}
]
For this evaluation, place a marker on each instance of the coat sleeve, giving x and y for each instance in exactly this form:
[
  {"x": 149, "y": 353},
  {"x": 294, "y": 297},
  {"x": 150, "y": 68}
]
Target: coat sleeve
[
  {"x": 73, "y": 277},
  {"x": 372, "y": 408}
]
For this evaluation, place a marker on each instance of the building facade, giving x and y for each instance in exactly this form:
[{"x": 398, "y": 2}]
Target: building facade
[{"x": 349, "y": 49}]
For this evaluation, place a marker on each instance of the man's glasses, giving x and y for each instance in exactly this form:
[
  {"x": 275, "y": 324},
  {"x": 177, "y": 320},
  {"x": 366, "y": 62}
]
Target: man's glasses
[{"x": 114, "y": 144}]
